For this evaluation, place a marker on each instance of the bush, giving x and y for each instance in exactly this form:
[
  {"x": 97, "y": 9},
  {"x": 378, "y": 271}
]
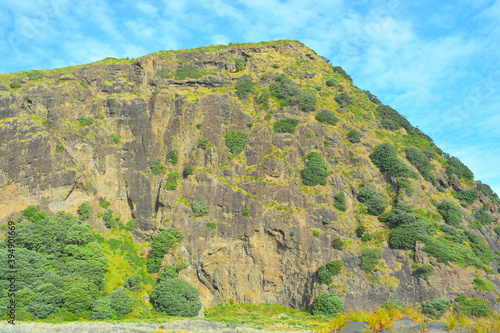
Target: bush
[
  {"x": 436, "y": 307},
  {"x": 404, "y": 184},
  {"x": 367, "y": 237},
  {"x": 406, "y": 235},
  {"x": 455, "y": 166},
  {"x": 330, "y": 83},
  {"x": 453, "y": 234},
  {"x": 353, "y": 136},
  {"x": 48, "y": 123},
  {"x": 102, "y": 310},
  {"x": 188, "y": 171},
  {"x": 287, "y": 125},
  {"x": 15, "y": 84},
  {"x": 482, "y": 216},
  {"x": 203, "y": 143},
  {"x": 176, "y": 297},
  {"x": 324, "y": 275},
  {"x": 482, "y": 284},
  {"x": 157, "y": 167},
  {"x": 385, "y": 157},
  {"x": 84, "y": 211},
  {"x": 189, "y": 71},
  {"x": 59, "y": 148},
  {"x": 160, "y": 246},
  {"x": 422, "y": 163},
  {"x": 445, "y": 251},
  {"x": 372, "y": 98},
  {"x": 327, "y": 304},
  {"x": 246, "y": 212},
  {"x": 394, "y": 304},
  {"x": 343, "y": 99},
  {"x": 334, "y": 267},
  {"x": 169, "y": 272},
  {"x": 341, "y": 71},
  {"x": 240, "y": 64},
  {"x": 263, "y": 100},
  {"x": 163, "y": 73},
  {"x": 340, "y": 201},
  {"x": 199, "y": 209},
  {"x": 290, "y": 94},
  {"x": 338, "y": 244},
  {"x": 36, "y": 75},
  {"x": 472, "y": 307},
  {"x": 327, "y": 117},
  {"x": 487, "y": 191},
  {"x": 450, "y": 213},
  {"x": 315, "y": 172},
  {"x": 235, "y": 141},
  {"x": 133, "y": 281},
  {"x": 423, "y": 270},
  {"x": 85, "y": 121},
  {"x": 130, "y": 226},
  {"x": 376, "y": 204},
  {"x": 480, "y": 247},
  {"x": 173, "y": 156},
  {"x": 369, "y": 259},
  {"x": 365, "y": 194},
  {"x": 467, "y": 196},
  {"x": 121, "y": 302},
  {"x": 104, "y": 204},
  {"x": 244, "y": 86},
  {"x": 401, "y": 214},
  {"x": 390, "y": 119}
]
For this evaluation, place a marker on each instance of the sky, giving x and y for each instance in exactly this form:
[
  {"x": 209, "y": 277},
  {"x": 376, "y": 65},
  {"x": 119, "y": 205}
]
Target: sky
[{"x": 436, "y": 62}]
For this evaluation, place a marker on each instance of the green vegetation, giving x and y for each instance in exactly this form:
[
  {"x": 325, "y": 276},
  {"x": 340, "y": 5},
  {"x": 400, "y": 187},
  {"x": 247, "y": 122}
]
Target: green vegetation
[
  {"x": 59, "y": 148},
  {"x": 450, "y": 213},
  {"x": 390, "y": 119},
  {"x": 173, "y": 156},
  {"x": 330, "y": 83},
  {"x": 85, "y": 121},
  {"x": 340, "y": 201},
  {"x": 287, "y": 125},
  {"x": 374, "y": 202},
  {"x": 246, "y": 212},
  {"x": 327, "y": 117},
  {"x": 235, "y": 141},
  {"x": 436, "y": 307},
  {"x": 130, "y": 225},
  {"x": 453, "y": 234},
  {"x": 487, "y": 191},
  {"x": 353, "y": 136},
  {"x": 338, "y": 244},
  {"x": 176, "y": 297},
  {"x": 324, "y": 275},
  {"x": 15, "y": 84},
  {"x": 199, "y": 208},
  {"x": 480, "y": 248},
  {"x": 172, "y": 181},
  {"x": 290, "y": 94},
  {"x": 84, "y": 211},
  {"x": 109, "y": 221},
  {"x": 188, "y": 171},
  {"x": 327, "y": 304},
  {"x": 456, "y": 167},
  {"x": 163, "y": 73},
  {"x": 445, "y": 251},
  {"x": 203, "y": 143},
  {"x": 160, "y": 246},
  {"x": 482, "y": 284},
  {"x": 35, "y": 75},
  {"x": 422, "y": 163},
  {"x": 473, "y": 307},
  {"x": 240, "y": 64},
  {"x": 339, "y": 70},
  {"x": 334, "y": 267},
  {"x": 48, "y": 123},
  {"x": 385, "y": 157},
  {"x": 315, "y": 172},
  {"x": 404, "y": 236},
  {"x": 423, "y": 270},
  {"x": 343, "y": 99},
  {"x": 183, "y": 73},
  {"x": 157, "y": 167},
  {"x": 482, "y": 217},
  {"x": 244, "y": 86},
  {"x": 369, "y": 259},
  {"x": 104, "y": 203},
  {"x": 467, "y": 196}
]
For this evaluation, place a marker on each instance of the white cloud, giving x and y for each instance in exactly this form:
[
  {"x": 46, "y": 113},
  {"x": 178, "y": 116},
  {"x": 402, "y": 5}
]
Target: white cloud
[{"x": 147, "y": 8}]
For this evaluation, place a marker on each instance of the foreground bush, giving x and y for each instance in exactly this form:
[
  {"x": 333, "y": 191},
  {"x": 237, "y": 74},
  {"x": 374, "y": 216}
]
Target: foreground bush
[
  {"x": 473, "y": 307},
  {"x": 176, "y": 297},
  {"x": 327, "y": 304}
]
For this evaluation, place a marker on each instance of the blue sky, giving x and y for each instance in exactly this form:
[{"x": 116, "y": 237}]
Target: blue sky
[{"x": 436, "y": 62}]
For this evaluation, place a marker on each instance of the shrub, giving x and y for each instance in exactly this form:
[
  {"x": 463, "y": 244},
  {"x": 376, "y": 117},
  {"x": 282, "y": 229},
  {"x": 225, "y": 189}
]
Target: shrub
[
  {"x": 189, "y": 71},
  {"x": 315, "y": 172},
  {"x": 163, "y": 73},
  {"x": 453, "y": 234},
  {"x": 327, "y": 117},
  {"x": 59, "y": 148},
  {"x": 343, "y": 99},
  {"x": 353, "y": 136},
  {"x": 497, "y": 230},
  {"x": 482, "y": 284},
  {"x": 263, "y": 100},
  {"x": 324, "y": 275},
  {"x": 199, "y": 208},
  {"x": 48, "y": 123},
  {"x": 287, "y": 125},
  {"x": 450, "y": 213},
  {"x": 390, "y": 119},
  {"x": 173, "y": 156},
  {"x": 369, "y": 259},
  {"x": 330, "y": 83},
  {"x": 104, "y": 204},
  {"x": 32, "y": 214},
  {"x": 401, "y": 214},
  {"x": 84, "y": 211},
  {"x": 15, "y": 84},
  {"x": 341, "y": 71},
  {"x": 176, "y": 297},
  {"x": 436, "y": 307},
  {"x": 36, "y": 75},
  {"x": 467, "y": 196},
  {"x": 385, "y": 157},
  {"x": 487, "y": 191},
  {"x": 121, "y": 302},
  {"x": 340, "y": 201},
  {"x": 423, "y": 270},
  {"x": 85, "y": 121},
  {"x": 203, "y": 143},
  {"x": 455, "y": 166},
  {"x": 240, "y": 64},
  {"x": 290, "y": 94},
  {"x": 130, "y": 226},
  {"x": 338, "y": 244},
  {"x": 360, "y": 230},
  {"x": 334, "y": 267},
  {"x": 199, "y": 126},
  {"x": 212, "y": 225},
  {"x": 365, "y": 194},
  {"x": 367, "y": 237},
  {"x": 406, "y": 235},
  {"x": 101, "y": 309},
  {"x": 188, "y": 171},
  {"x": 376, "y": 204},
  {"x": 169, "y": 272},
  {"x": 235, "y": 141},
  {"x": 480, "y": 247},
  {"x": 157, "y": 167},
  {"x": 482, "y": 216},
  {"x": 473, "y": 307},
  {"x": 373, "y": 98},
  {"x": 133, "y": 282},
  {"x": 327, "y": 304},
  {"x": 244, "y": 86},
  {"x": 108, "y": 219},
  {"x": 445, "y": 251},
  {"x": 403, "y": 183},
  {"x": 161, "y": 244},
  {"x": 246, "y": 212},
  {"x": 422, "y": 163}
]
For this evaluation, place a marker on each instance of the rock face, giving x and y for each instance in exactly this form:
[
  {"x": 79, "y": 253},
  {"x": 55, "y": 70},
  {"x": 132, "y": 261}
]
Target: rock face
[{"x": 266, "y": 233}]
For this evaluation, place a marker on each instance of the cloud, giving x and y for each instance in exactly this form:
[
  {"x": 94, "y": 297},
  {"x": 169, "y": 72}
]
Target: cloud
[{"x": 147, "y": 8}]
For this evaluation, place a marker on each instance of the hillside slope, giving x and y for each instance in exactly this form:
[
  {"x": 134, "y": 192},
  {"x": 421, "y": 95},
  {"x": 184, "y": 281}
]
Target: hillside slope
[{"x": 259, "y": 213}]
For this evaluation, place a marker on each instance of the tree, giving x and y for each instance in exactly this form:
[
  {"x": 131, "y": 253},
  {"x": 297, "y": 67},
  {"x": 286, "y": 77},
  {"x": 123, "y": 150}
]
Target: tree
[
  {"x": 353, "y": 136},
  {"x": 121, "y": 302},
  {"x": 133, "y": 281},
  {"x": 101, "y": 309},
  {"x": 327, "y": 304},
  {"x": 324, "y": 275},
  {"x": 176, "y": 297},
  {"x": 315, "y": 172},
  {"x": 244, "y": 87},
  {"x": 84, "y": 211},
  {"x": 161, "y": 244},
  {"x": 199, "y": 208},
  {"x": 327, "y": 117}
]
